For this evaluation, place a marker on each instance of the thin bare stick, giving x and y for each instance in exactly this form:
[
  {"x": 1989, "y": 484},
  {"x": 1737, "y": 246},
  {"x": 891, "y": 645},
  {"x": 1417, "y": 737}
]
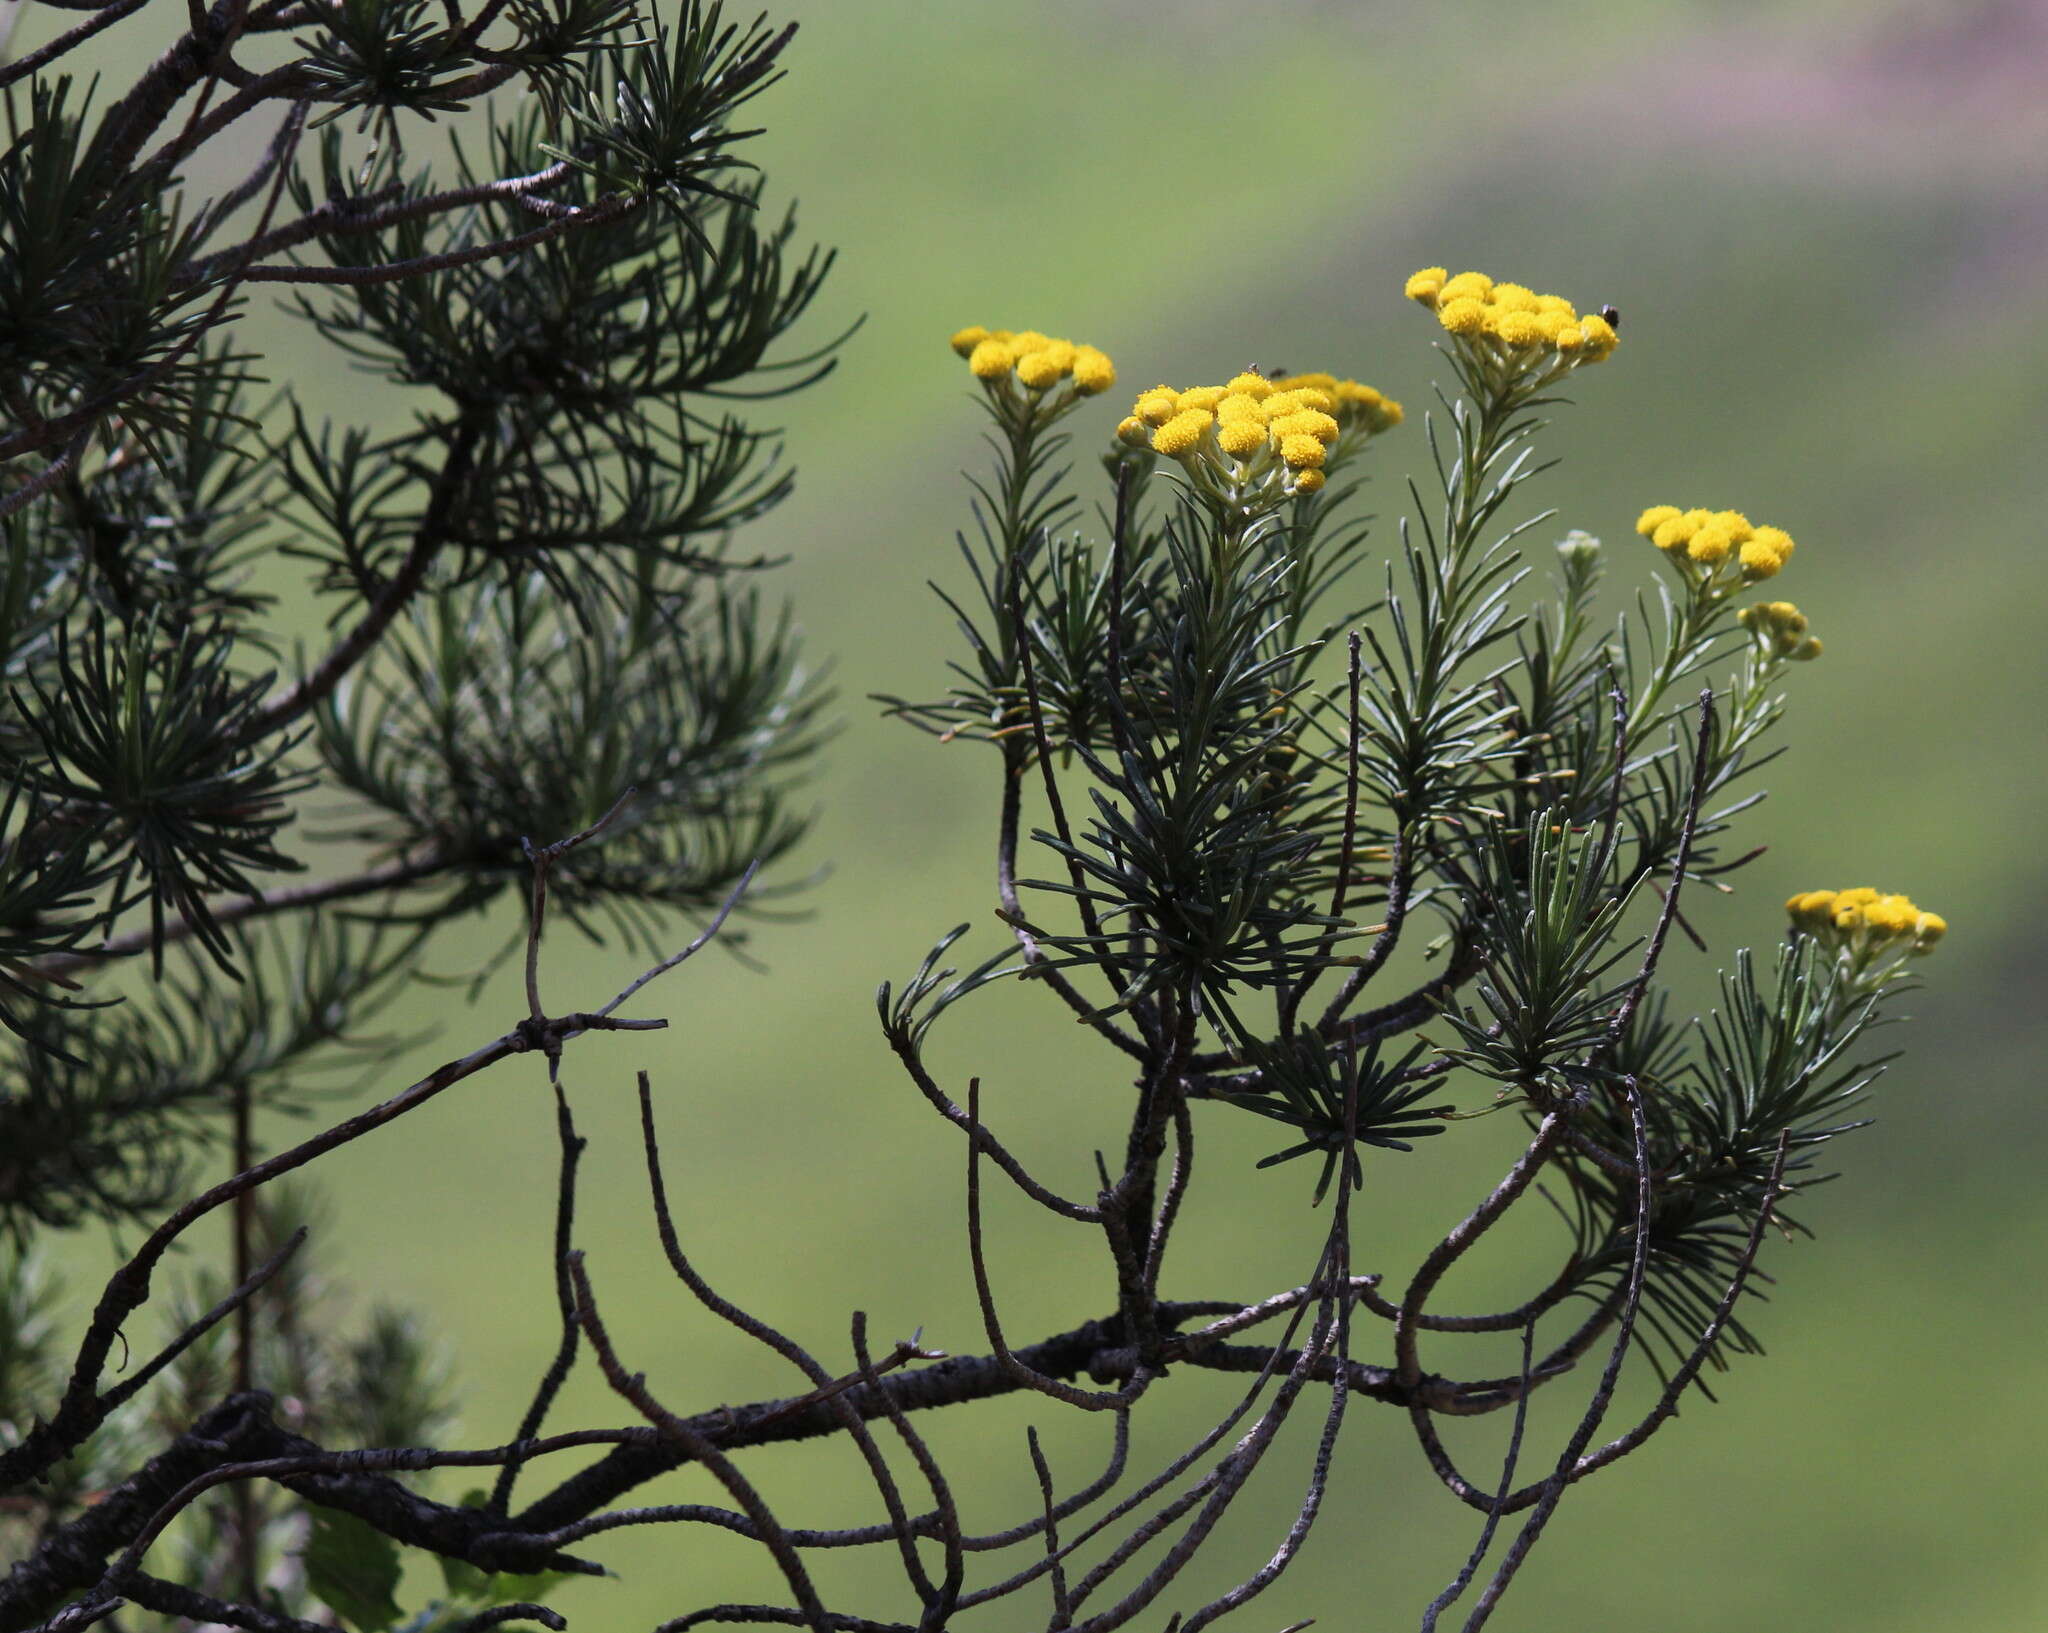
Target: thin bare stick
[
  {"x": 571, "y": 1147},
  {"x": 978, "y": 1133},
  {"x": 633, "y": 1388},
  {"x": 82, "y": 1410},
  {"x": 1062, "y": 1604},
  {"x": 388, "y": 876},
  {"x": 591, "y": 215},
  {"x": 542, "y": 860},
  {"x": 1014, "y": 767},
  {"x": 1596, "y": 1409},
  {"x": 128, "y": 1387},
  {"x": 1500, "y": 1321},
  {"x": 939, "y": 1601},
  {"x": 718, "y": 919},
  {"x": 1460, "y": 1239},
  {"x": 1463, "y": 1580},
  {"x": 48, "y": 477},
  {"x": 1090, "y": 1400},
  {"x": 69, "y": 40}
]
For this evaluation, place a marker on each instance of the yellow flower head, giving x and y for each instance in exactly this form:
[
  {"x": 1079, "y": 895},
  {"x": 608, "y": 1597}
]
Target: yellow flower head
[
  {"x": 1675, "y": 532},
  {"x": 1425, "y": 285},
  {"x": 1255, "y": 386},
  {"x": 1464, "y": 316},
  {"x": 1023, "y": 371},
  {"x": 1708, "y": 541},
  {"x": 1133, "y": 432},
  {"x": 1182, "y": 432},
  {"x": 1240, "y": 435},
  {"x": 1765, "y": 552},
  {"x": 1465, "y": 286},
  {"x": 1301, "y": 450},
  {"x": 1508, "y": 330},
  {"x": 990, "y": 359},
  {"x": 1600, "y": 336},
  {"x": 1517, "y": 327},
  {"x": 1307, "y": 481},
  {"x": 1157, "y": 406},
  {"x": 1040, "y": 369},
  {"x": 1869, "y": 926},
  {"x": 1093, "y": 372}
]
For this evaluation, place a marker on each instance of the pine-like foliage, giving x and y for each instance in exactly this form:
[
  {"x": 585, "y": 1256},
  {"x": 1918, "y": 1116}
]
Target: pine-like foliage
[{"x": 1344, "y": 838}]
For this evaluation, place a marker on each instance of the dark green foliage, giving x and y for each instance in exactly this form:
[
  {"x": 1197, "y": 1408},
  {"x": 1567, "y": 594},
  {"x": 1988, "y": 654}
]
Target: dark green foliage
[
  {"x": 152, "y": 743},
  {"x": 495, "y": 715},
  {"x": 526, "y": 560},
  {"x": 109, "y": 1105}
]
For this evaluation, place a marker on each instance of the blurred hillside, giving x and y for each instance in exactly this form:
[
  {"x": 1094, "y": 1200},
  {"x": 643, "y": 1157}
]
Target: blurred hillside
[{"x": 1825, "y": 225}]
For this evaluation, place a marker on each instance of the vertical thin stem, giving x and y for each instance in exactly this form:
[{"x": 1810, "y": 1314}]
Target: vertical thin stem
[{"x": 243, "y": 1225}]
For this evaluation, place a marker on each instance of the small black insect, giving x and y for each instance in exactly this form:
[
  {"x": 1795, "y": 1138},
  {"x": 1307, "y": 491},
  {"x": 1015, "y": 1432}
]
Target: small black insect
[{"x": 1613, "y": 318}]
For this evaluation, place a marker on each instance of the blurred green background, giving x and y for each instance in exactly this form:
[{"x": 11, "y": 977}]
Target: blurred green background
[{"x": 1825, "y": 224}]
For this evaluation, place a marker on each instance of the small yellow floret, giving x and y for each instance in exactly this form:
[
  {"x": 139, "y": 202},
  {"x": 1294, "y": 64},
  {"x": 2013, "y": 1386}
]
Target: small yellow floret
[
  {"x": 1040, "y": 369},
  {"x": 1559, "y": 305},
  {"x": 1030, "y": 340},
  {"x": 1205, "y": 397},
  {"x": 1465, "y": 286},
  {"x": 1133, "y": 432},
  {"x": 1570, "y": 339},
  {"x": 1711, "y": 544},
  {"x": 1255, "y": 386},
  {"x": 965, "y": 340},
  {"x": 1240, "y": 436},
  {"x": 991, "y": 358},
  {"x": 1655, "y": 517},
  {"x": 1927, "y": 930},
  {"x": 1767, "y": 544},
  {"x": 1517, "y": 327},
  {"x": 1514, "y": 297},
  {"x": 1812, "y": 909},
  {"x": 1425, "y": 285},
  {"x": 1157, "y": 406},
  {"x": 1240, "y": 405},
  {"x": 1307, "y": 481},
  {"x": 1600, "y": 335},
  {"x": 1093, "y": 371},
  {"x": 1182, "y": 432},
  {"x": 1301, "y": 451},
  {"x": 1676, "y": 532},
  {"x": 1464, "y": 316},
  {"x": 1307, "y": 422}
]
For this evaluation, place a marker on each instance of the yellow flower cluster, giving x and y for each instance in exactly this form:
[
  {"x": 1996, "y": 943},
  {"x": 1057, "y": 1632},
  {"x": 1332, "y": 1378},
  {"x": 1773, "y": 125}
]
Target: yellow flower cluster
[
  {"x": 1780, "y": 629},
  {"x": 1353, "y": 404},
  {"x": 1253, "y": 441},
  {"x": 1866, "y": 922},
  {"x": 1510, "y": 329},
  {"x": 1708, "y": 540},
  {"x": 1037, "y": 362}
]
